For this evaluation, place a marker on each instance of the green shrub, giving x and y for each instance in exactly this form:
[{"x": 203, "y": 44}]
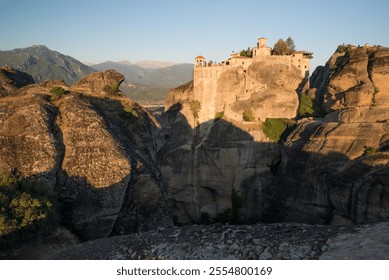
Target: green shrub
[
  {"x": 111, "y": 88},
  {"x": 246, "y": 53},
  {"x": 305, "y": 106},
  {"x": 277, "y": 129},
  {"x": 369, "y": 151},
  {"x": 343, "y": 48},
  {"x": 7, "y": 180},
  {"x": 376, "y": 90},
  {"x": 26, "y": 210},
  {"x": 219, "y": 116},
  {"x": 129, "y": 114},
  {"x": 195, "y": 107},
  {"x": 248, "y": 115},
  {"x": 56, "y": 93}
]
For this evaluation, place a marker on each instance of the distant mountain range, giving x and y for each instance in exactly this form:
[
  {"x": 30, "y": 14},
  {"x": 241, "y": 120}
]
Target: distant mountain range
[
  {"x": 145, "y": 80},
  {"x": 150, "y": 83},
  {"x": 151, "y": 73},
  {"x": 44, "y": 64}
]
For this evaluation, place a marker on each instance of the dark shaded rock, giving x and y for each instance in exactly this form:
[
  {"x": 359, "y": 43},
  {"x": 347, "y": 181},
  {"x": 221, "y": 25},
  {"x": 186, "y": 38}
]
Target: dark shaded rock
[
  {"x": 12, "y": 79},
  {"x": 270, "y": 241}
]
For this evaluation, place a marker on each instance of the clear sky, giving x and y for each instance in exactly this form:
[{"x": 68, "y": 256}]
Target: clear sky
[{"x": 177, "y": 31}]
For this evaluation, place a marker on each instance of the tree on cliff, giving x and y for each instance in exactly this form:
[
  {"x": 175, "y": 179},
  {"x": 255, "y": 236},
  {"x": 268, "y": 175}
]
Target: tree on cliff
[
  {"x": 247, "y": 53},
  {"x": 282, "y": 47},
  {"x": 290, "y": 43}
]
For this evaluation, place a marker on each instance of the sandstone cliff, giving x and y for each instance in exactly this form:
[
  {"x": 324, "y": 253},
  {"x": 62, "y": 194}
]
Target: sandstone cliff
[
  {"x": 336, "y": 170},
  {"x": 95, "y": 150},
  {"x": 210, "y": 154},
  {"x": 330, "y": 170}
]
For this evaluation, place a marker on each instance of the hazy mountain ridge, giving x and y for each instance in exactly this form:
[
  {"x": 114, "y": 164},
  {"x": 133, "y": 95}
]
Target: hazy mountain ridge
[
  {"x": 151, "y": 73},
  {"x": 44, "y": 64},
  {"x": 147, "y": 85},
  {"x": 146, "y": 80}
]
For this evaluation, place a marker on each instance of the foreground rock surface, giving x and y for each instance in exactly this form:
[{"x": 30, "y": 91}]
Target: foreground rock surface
[
  {"x": 96, "y": 152},
  {"x": 261, "y": 241}
]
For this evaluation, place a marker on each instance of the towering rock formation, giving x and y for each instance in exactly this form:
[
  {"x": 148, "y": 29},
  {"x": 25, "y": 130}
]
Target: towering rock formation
[
  {"x": 336, "y": 170},
  {"x": 95, "y": 149},
  {"x": 212, "y": 160}
]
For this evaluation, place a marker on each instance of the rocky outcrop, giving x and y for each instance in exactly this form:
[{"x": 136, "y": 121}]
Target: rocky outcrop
[
  {"x": 255, "y": 242},
  {"x": 12, "y": 79},
  {"x": 45, "y": 87},
  {"x": 328, "y": 171},
  {"x": 180, "y": 94},
  {"x": 333, "y": 171},
  {"x": 205, "y": 164},
  {"x": 271, "y": 91},
  {"x": 98, "y": 154},
  {"x": 100, "y": 83},
  {"x": 268, "y": 89},
  {"x": 30, "y": 144},
  {"x": 354, "y": 78}
]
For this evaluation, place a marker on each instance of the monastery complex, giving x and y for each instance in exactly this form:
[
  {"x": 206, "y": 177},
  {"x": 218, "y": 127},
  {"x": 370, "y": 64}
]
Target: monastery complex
[
  {"x": 261, "y": 53},
  {"x": 218, "y": 85}
]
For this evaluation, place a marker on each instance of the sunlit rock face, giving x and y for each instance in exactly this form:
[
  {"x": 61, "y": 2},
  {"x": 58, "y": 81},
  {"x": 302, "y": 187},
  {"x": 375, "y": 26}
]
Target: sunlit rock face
[
  {"x": 96, "y": 152},
  {"x": 335, "y": 170}
]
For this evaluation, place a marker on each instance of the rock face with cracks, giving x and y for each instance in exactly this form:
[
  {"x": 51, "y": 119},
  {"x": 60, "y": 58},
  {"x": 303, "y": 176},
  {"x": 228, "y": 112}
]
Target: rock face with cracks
[
  {"x": 335, "y": 170},
  {"x": 97, "y": 152},
  {"x": 247, "y": 242}
]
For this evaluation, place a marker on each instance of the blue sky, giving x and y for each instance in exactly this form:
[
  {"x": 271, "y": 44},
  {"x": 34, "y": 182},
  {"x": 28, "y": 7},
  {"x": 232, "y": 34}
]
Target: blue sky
[{"x": 178, "y": 31}]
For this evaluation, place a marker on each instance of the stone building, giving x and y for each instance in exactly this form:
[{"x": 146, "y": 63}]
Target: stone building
[
  {"x": 210, "y": 79},
  {"x": 260, "y": 53}
]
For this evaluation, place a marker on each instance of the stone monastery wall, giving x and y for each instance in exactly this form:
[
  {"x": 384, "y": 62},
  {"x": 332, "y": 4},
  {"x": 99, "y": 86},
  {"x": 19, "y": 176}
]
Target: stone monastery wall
[{"x": 206, "y": 87}]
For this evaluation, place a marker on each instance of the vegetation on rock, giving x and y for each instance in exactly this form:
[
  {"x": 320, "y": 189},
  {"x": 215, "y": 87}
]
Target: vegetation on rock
[
  {"x": 276, "y": 129},
  {"x": 305, "y": 106},
  {"x": 343, "y": 48},
  {"x": 248, "y": 115},
  {"x": 369, "y": 151},
  {"x": 129, "y": 114},
  {"x": 247, "y": 53},
  {"x": 56, "y": 93},
  {"x": 219, "y": 116},
  {"x": 26, "y": 210},
  {"x": 195, "y": 107},
  {"x": 111, "y": 88}
]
